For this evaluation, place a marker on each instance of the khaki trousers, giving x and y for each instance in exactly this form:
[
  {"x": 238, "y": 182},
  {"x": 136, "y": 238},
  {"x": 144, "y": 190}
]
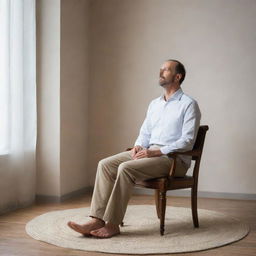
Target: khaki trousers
[{"x": 115, "y": 179}]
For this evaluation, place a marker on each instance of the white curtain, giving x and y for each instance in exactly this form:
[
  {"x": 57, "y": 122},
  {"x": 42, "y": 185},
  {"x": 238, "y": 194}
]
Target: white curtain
[{"x": 17, "y": 103}]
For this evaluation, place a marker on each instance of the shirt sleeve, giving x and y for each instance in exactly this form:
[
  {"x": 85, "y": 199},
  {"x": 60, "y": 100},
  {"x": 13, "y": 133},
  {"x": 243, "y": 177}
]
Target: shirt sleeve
[
  {"x": 190, "y": 128},
  {"x": 145, "y": 131}
]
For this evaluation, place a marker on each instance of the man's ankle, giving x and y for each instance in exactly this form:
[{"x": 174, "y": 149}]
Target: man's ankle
[
  {"x": 112, "y": 224},
  {"x": 98, "y": 219}
]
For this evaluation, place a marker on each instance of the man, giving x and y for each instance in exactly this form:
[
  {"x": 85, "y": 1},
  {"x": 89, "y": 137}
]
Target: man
[{"x": 171, "y": 124}]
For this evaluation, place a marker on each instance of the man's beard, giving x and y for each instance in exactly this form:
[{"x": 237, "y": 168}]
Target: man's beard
[{"x": 163, "y": 82}]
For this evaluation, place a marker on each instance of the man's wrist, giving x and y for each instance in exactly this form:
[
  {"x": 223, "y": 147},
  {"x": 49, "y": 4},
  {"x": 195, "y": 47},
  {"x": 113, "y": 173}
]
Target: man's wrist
[{"x": 156, "y": 152}]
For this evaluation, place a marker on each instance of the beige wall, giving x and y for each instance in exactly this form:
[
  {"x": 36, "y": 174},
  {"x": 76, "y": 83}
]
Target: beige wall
[
  {"x": 215, "y": 40},
  {"x": 74, "y": 95}
]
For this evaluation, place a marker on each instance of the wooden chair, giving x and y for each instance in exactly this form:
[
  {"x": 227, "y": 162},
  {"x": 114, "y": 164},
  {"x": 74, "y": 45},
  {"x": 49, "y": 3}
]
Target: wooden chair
[{"x": 163, "y": 184}]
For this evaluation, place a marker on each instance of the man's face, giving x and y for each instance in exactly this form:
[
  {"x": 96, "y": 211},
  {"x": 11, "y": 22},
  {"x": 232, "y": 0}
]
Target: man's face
[{"x": 167, "y": 73}]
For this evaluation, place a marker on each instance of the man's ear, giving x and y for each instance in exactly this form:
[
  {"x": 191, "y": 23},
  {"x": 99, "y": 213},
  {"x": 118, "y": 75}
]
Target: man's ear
[{"x": 178, "y": 77}]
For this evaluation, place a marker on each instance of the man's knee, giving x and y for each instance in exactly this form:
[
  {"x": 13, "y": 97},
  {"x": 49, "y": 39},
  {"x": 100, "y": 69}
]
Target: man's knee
[
  {"x": 126, "y": 168},
  {"x": 123, "y": 166},
  {"x": 104, "y": 162}
]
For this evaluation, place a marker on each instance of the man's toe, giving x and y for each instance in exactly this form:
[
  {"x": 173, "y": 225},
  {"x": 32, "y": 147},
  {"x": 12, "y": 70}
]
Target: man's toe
[
  {"x": 70, "y": 224},
  {"x": 94, "y": 232}
]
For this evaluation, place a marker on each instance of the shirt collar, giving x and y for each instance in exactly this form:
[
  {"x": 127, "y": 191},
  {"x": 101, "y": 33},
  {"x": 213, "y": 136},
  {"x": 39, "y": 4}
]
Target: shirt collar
[{"x": 176, "y": 96}]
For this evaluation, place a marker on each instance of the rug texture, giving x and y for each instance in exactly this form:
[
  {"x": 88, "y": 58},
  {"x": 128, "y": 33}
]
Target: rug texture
[{"x": 140, "y": 233}]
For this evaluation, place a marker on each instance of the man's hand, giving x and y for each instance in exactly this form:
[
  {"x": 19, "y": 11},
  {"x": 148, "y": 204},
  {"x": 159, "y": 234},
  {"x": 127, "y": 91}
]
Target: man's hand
[
  {"x": 135, "y": 150},
  {"x": 147, "y": 153}
]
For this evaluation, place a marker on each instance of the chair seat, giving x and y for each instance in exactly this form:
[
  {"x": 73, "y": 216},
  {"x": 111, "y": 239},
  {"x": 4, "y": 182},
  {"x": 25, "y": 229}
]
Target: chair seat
[{"x": 171, "y": 182}]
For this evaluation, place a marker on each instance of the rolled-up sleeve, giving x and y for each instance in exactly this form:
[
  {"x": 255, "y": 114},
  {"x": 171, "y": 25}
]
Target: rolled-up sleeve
[{"x": 190, "y": 128}]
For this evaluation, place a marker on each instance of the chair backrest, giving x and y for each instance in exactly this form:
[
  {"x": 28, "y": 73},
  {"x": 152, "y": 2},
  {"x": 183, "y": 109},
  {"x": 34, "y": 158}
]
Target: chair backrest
[{"x": 199, "y": 143}]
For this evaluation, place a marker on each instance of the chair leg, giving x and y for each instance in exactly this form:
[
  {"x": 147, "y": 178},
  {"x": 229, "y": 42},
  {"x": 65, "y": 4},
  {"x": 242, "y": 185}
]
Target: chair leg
[
  {"x": 162, "y": 211},
  {"x": 194, "y": 206},
  {"x": 157, "y": 203}
]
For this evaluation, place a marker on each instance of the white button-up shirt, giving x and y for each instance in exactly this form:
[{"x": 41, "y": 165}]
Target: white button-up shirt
[{"x": 171, "y": 124}]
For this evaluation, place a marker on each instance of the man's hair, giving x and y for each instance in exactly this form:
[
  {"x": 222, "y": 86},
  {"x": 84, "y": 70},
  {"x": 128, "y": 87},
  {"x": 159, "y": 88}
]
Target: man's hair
[{"x": 179, "y": 69}]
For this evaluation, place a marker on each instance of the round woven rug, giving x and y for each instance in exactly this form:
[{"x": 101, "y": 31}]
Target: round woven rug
[{"x": 140, "y": 233}]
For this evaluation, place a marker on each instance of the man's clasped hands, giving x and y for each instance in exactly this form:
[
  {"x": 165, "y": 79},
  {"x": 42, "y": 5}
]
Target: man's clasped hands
[{"x": 140, "y": 152}]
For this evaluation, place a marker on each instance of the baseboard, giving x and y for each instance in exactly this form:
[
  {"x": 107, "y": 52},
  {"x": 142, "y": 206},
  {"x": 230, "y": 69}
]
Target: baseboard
[
  {"x": 57, "y": 199},
  {"x": 85, "y": 190},
  {"x": 203, "y": 194},
  {"x": 10, "y": 207}
]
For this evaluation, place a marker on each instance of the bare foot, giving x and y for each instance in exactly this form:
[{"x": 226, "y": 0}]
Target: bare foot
[
  {"x": 107, "y": 231},
  {"x": 85, "y": 229}
]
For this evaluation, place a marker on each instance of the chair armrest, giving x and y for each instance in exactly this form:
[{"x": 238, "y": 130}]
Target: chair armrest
[
  {"x": 175, "y": 154},
  {"x": 187, "y": 153}
]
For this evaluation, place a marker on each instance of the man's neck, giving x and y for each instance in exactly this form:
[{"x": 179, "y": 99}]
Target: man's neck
[{"x": 169, "y": 91}]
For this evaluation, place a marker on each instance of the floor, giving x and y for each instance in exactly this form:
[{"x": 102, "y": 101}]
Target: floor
[{"x": 14, "y": 240}]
